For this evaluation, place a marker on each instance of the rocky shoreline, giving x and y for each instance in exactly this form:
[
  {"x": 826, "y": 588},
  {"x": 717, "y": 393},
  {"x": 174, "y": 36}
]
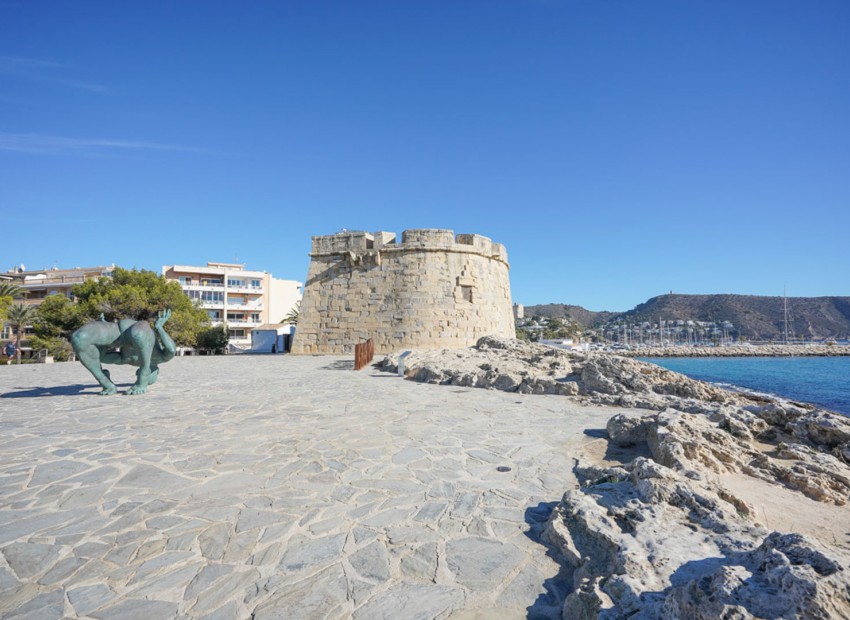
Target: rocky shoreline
[
  {"x": 767, "y": 350},
  {"x": 662, "y": 533}
]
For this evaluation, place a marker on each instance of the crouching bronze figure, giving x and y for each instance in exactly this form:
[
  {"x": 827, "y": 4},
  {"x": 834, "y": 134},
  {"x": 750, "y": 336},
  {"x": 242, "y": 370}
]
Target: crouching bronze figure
[{"x": 125, "y": 342}]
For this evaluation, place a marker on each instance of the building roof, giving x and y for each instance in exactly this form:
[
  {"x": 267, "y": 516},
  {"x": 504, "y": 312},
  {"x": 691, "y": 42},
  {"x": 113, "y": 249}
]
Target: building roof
[
  {"x": 271, "y": 326},
  {"x": 211, "y": 269},
  {"x": 53, "y": 271}
]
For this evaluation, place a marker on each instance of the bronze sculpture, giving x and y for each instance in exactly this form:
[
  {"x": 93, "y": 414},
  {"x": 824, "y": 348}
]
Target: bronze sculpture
[{"x": 137, "y": 344}]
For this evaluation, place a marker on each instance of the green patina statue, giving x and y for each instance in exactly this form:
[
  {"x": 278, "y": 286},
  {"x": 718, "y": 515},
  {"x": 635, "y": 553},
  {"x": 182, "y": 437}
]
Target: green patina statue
[{"x": 125, "y": 342}]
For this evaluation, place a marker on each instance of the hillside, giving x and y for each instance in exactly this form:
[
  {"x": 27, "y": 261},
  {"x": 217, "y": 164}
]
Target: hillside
[
  {"x": 754, "y": 317},
  {"x": 582, "y": 316}
]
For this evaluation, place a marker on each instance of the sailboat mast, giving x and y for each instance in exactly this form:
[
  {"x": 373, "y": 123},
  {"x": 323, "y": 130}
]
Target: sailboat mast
[{"x": 785, "y": 321}]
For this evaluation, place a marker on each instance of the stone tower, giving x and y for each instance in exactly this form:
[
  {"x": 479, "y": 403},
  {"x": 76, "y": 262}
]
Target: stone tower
[{"x": 431, "y": 291}]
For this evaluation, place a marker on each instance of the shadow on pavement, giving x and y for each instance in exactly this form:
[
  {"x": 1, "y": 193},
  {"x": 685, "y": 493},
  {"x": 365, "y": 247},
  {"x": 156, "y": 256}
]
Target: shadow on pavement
[
  {"x": 549, "y": 603},
  {"x": 597, "y": 433},
  {"x": 340, "y": 365},
  {"x": 58, "y": 390}
]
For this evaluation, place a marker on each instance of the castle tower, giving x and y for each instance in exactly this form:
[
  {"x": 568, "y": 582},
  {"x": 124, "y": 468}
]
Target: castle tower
[{"x": 431, "y": 291}]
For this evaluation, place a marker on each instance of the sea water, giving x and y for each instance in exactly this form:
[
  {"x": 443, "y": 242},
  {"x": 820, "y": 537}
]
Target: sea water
[{"x": 822, "y": 381}]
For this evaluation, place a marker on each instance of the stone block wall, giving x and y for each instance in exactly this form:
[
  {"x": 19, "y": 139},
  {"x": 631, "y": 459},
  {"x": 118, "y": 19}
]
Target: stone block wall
[{"x": 431, "y": 291}]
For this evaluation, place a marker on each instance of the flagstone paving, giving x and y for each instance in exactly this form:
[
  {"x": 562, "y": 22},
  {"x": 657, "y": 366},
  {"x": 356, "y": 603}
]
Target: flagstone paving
[{"x": 278, "y": 487}]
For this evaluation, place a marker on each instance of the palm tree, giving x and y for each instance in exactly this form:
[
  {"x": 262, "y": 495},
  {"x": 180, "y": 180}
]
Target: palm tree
[
  {"x": 10, "y": 289},
  {"x": 293, "y": 315},
  {"x": 8, "y": 292},
  {"x": 18, "y": 317}
]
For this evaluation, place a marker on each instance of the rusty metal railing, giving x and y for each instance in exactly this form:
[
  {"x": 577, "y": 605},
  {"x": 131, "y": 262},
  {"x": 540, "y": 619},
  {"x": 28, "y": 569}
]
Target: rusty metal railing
[{"x": 363, "y": 354}]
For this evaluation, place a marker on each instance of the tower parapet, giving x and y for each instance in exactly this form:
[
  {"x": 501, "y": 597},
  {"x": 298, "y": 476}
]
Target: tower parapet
[{"x": 432, "y": 290}]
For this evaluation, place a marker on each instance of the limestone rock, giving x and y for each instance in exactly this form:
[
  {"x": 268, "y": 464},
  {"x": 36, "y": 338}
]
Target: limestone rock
[
  {"x": 647, "y": 542},
  {"x": 495, "y": 363},
  {"x": 661, "y": 538},
  {"x": 698, "y": 445},
  {"x": 624, "y": 431},
  {"x": 787, "y": 575},
  {"x": 530, "y": 368}
]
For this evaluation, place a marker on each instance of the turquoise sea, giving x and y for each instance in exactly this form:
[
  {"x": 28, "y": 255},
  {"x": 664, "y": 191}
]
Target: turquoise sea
[{"x": 822, "y": 381}]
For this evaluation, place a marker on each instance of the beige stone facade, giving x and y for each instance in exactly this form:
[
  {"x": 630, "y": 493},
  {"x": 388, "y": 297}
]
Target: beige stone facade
[
  {"x": 433, "y": 290},
  {"x": 39, "y": 284}
]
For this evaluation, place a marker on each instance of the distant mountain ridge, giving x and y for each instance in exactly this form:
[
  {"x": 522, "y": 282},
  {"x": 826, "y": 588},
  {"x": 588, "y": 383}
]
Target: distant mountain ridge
[
  {"x": 582, "y": 316},
  {"x": 754, "y": 317}
]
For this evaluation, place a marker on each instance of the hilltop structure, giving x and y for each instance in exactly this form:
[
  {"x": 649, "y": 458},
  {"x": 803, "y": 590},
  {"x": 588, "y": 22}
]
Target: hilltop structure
[{"x": 434, "y": 290}]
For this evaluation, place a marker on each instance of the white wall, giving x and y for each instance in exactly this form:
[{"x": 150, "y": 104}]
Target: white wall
[
  {"x": 263, "y": 339},
  {"x": 283, "y": 295}
]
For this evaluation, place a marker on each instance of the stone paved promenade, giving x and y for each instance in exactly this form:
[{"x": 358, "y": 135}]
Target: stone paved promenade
[{"x": 278, "y": 487}]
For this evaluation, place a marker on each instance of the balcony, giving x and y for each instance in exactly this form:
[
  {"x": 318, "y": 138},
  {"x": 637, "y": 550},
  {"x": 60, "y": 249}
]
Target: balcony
[
  {"x": 43, "y": 282},
  {"x": 243, "y": 323},
  {"x": 202, "y": 287},
  {"x": 51, "y": 278},
  {"x": 257, "y": 290},
  {"x": 249, "y": 307}
]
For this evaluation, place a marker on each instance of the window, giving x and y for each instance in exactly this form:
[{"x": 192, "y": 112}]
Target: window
[
  {"x": 465, "y": 286},
  {"x": 211, "y": 282},
  {"x": 256, "y": 283},
  {"x": 235, "y": 282},
  {"x": 214, "y": 314},
  {"x": 185, "y": 280},
  {"x": 236, "y": 333},
  {"x": 207, "y": 297},
  {"x": 255, "y": 317}
]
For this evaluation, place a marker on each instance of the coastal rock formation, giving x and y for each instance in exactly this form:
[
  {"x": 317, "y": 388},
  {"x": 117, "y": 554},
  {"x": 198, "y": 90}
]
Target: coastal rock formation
[
  {"x": 634, "y": 506},
  {"x": 496, "y": 363},
  {"x": 526, "y": 367},
  {"x": 645, "y": 542},
  {"x": 662, "y": 536},
  {"x": 733, "y": 440}
]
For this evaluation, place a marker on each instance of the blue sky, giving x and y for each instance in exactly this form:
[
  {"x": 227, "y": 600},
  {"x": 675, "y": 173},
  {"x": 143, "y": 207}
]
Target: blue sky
[{"x": 619, "y": 149}]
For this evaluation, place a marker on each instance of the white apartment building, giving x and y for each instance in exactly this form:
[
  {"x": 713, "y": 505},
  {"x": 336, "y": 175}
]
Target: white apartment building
[{"x": 241, "y": 298}]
